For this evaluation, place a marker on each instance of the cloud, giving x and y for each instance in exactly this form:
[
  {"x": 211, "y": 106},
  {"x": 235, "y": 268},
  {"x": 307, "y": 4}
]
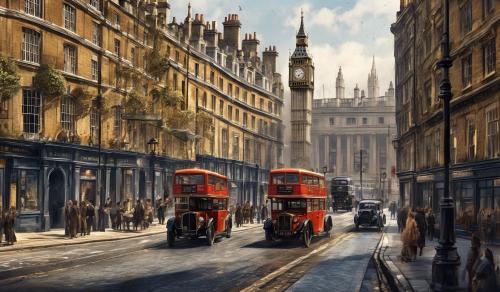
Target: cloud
[
  {"x": 366, "y": 10},
  {"x": 324, "y": 17}
]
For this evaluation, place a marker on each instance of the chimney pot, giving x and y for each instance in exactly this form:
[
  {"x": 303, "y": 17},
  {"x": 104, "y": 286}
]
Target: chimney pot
[
  {"x": 213, "y": 24},
  {"x": 274, "y": 48},
  {"x": 225, "y": 19},
  {"x": 202, "y": 18},
  {"x": 254, "y": 35}
]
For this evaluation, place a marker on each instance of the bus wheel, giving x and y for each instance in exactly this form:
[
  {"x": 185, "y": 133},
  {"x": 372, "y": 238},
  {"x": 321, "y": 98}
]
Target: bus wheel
[
  {"x": 306, "y": 236},
  {"x": 269, "y": 236},
  {"x": 229, "y": 229},
  {"x": 210, "y": 235},
  {"x": 170, "y": 238}
]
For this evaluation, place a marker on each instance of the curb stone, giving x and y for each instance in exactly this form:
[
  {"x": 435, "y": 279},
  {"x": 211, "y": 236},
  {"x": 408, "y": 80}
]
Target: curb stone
[{"x": 396, "y": 279}]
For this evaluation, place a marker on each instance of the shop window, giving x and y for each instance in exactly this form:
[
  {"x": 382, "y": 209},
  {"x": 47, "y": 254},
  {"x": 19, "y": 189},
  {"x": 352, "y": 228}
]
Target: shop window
[
  {"x": 28, "y": 190},
  {"x": 465, "y": 207}
]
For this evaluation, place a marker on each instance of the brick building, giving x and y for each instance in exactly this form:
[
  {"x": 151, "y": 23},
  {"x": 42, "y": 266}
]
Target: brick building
[
  {"x": 474, "y": 109},
  {"x": 207, "y": 97}
]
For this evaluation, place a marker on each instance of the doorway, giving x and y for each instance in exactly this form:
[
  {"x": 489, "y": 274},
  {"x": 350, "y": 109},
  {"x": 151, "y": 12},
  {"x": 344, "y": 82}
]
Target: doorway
[{"x": 56, "y": 198}]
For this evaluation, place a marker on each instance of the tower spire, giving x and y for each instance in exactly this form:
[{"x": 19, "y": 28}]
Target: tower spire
[
  {"x": 301, "y": 32},
  {"x": 373, "y": 64}
]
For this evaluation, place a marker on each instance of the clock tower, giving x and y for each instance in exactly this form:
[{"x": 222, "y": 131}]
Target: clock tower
[{"x": 301, "y": 82}]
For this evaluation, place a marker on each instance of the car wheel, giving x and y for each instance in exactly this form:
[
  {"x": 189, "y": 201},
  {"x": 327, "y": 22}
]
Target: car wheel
[
  {"x": 170, "y": 238},
  {"x": 210, "y": 235},
  {"x": 306, "y": 236}
]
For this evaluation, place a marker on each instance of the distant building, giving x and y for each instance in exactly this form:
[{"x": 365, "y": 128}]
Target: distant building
[
  {"x": 341, "y": 127},
  {"x": 475, "y": 131}
]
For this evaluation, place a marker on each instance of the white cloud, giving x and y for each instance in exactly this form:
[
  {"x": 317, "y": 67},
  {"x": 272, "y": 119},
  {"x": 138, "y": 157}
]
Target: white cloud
[
  {"x": 368, "y": 9},
  {"x": 321, "y": 18}
]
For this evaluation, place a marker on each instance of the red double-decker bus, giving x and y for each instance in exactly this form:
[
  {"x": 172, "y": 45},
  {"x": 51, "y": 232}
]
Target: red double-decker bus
[
  {"x": 201, "y": 206},
  {"x": 298, "y": 205}
]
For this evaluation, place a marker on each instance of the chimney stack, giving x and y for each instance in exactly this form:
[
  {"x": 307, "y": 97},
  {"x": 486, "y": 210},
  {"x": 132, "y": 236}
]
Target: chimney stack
[{"x": 232, "y": 27}]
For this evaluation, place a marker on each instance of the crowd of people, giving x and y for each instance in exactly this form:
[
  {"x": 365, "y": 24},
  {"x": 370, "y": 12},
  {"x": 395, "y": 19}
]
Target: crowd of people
[
  {"x": 415, "y": 225},
  {"x": 247, "y": 213}
]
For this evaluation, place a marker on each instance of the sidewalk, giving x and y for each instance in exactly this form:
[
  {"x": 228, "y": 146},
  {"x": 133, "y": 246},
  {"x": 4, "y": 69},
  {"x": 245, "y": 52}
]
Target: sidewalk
[
  {"x": 55, "y": 237},
  {"x": 417, "y": 275}
]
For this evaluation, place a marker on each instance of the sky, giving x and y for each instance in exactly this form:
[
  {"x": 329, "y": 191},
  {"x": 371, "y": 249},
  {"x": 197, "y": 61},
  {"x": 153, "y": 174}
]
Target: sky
[{"x": 345, "y": 33}]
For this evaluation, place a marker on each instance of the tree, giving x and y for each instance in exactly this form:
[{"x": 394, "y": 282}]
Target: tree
[
  {"x": 9, "y": 78},
  {"x": 49, "y": 82},
  {"x": 157, "y": 63},
  {"x": 166, "y": 97},
  {"x": 135, "y": 103}
]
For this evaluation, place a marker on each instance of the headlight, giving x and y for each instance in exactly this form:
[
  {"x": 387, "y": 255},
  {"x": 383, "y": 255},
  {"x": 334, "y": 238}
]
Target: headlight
[
  {"x": 295, "y": 219},
  {"x": 201, "y": 219}
]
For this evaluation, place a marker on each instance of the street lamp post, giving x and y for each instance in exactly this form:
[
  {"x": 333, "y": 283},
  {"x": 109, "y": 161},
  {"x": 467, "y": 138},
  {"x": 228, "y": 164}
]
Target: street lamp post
[
  {"x": 446, "y": 260},
  {"x": 152, "y": 147},
  {"x": 325, "y": 170}
]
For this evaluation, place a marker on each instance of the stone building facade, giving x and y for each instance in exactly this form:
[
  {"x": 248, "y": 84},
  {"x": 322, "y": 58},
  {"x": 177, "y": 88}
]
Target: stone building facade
[
  {"x": 475, "y": 109},
  {"x": 226, "y": 115},
  {"x": 341, "y": 127}
]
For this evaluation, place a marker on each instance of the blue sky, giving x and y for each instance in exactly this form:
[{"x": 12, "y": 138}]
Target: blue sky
[{"x": 343, "y": 33}]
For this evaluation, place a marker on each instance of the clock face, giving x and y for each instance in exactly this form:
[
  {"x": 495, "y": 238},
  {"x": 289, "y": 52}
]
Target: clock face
[{"x": 299, "y": 73}]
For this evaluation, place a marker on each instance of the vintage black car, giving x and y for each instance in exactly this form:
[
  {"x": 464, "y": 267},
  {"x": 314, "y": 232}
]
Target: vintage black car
[{"x": 370, "y": 214}]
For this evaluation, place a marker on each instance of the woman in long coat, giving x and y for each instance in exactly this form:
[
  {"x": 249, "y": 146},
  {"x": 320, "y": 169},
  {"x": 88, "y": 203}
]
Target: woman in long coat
[
  {"x": 422, "y": 228},
  {"x": 238, "y": 215},
  {"x": 9, "y": 226},
  {"x": 410, "y": 237}
]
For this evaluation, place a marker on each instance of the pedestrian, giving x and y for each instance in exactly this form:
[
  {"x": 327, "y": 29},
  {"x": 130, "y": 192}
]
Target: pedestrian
[
  {"x": 422, "y": 228},
  {"x": 431, "y": 221},
  {"x": 9, "y": 226},
  {"x": 252, "y": 214},
  {"x": 246, "y": 212},
  {"x": 138, "y": 216},
  {"x": 392, "y": 208},
  {"x": 119, "y": 214},
  {"x": 101, "y": 218},
  {"x": 473, "y": 258},
  {"x": 90, "y": 217},
  {"x": 485, "y": 278},
  {"x": 2, "y": 223},
  {"x": 107, "y": 209},
  {"x": 67, "y": 211},
  {"x": 73, "y": 219},
  {"x": 160, "y": 212},
  {"x": 112, "y": 215},
  {"x": 488, "y": 228},
  {"x": 238, "y": 215},
  {"x": 264, "y": 212},
  {"x": 257, "y": 212},
  {"x": 402, "y": 216},
  {"x": 409, "y": 238},
  {"x": 83, "y": 218}
]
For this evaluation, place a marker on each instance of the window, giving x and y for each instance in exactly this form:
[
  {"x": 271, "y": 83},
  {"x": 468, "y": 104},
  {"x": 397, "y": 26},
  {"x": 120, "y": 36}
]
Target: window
[
  {"x": 225, "y": 143},
  {"x": 467, "y": 71},
  {"x": 204, "y": 101},
  {"x": 236, "y": 147},
  {"x": 213, "y": 103},
  {"x": 94, "y": 125},
  {"x": 245, "y": 120},
  {"x": 69, "y": 17},
  {"x": 31, "y": 46},
  {"x": 68, "y": 114},
  {"x": 237, "y": 95},
  {"x": 237, "y": 115},
  {"x": 427, "y": 95},
  {"x": 437, "y": 146},
  {"x": 94, "y": 67},
  {"x": 466, "y": 18},
  {"x": 117, "y": 47},
  {"x": 221, "y": 84},
  {"x": 221, "y": 107},
  {"x": 229, "y": 112},
  {"x": 32, "y": 102},
  {"x": 453, "y": 141},
  {"x": 365, "y": 121},
  {"x": 117, "y": 126},
  {"x": 230, "y": 89},
  {"x": 471, "y": 139},
  {"x": 70, "y": 59},
  {"x": 487, "y": 7},
  {"x": 196, "y": 69},
  {"x": 261, "y": 104},
  {"x": 95, "y": 33},
  {"x": 116, "y": 19},
  {"x": 177, "y": 56},
  {"x": 332, "y": 121},
  {"x": 380, "y": 120},
  {"x": 33, "y": 7},
  {"x": 489, "y": 56},
  {"x": 245, "y": 96},
  {"x": 492, "y": 133},
  {"x": 95, "y": 4},
  {"x": 253, "y": 100},
  {"x": 212, "y": 77},
  {"x": 253, "y": 122},
  {"x": 174, "y": 81},
  {"x": 351, "y": 121},
  {"x": 270, "y": 107}
]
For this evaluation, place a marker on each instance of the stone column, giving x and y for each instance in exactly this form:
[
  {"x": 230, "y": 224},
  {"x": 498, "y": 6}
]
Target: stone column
[
  {"x": 339, "y": 155},
  {"x": 327, "y": 154},
  {"x": 349, "y": 154},
  {"x": 45, "y": 226},
  {"x": 119, "y": 185},
  {"x": 373, "y": 155},
  {"x": 108, "y": 181}
]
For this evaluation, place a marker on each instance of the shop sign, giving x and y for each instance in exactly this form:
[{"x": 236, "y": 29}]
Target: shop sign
[
  {"x": 59, "y": 154},
  {"x": 461, "y": 174},
  {"x": 127, "y": 161},
  {"x": 18, "y": 150},
  {"x": 425, "y": 178},
  {"x": 89, "y": 158}
]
